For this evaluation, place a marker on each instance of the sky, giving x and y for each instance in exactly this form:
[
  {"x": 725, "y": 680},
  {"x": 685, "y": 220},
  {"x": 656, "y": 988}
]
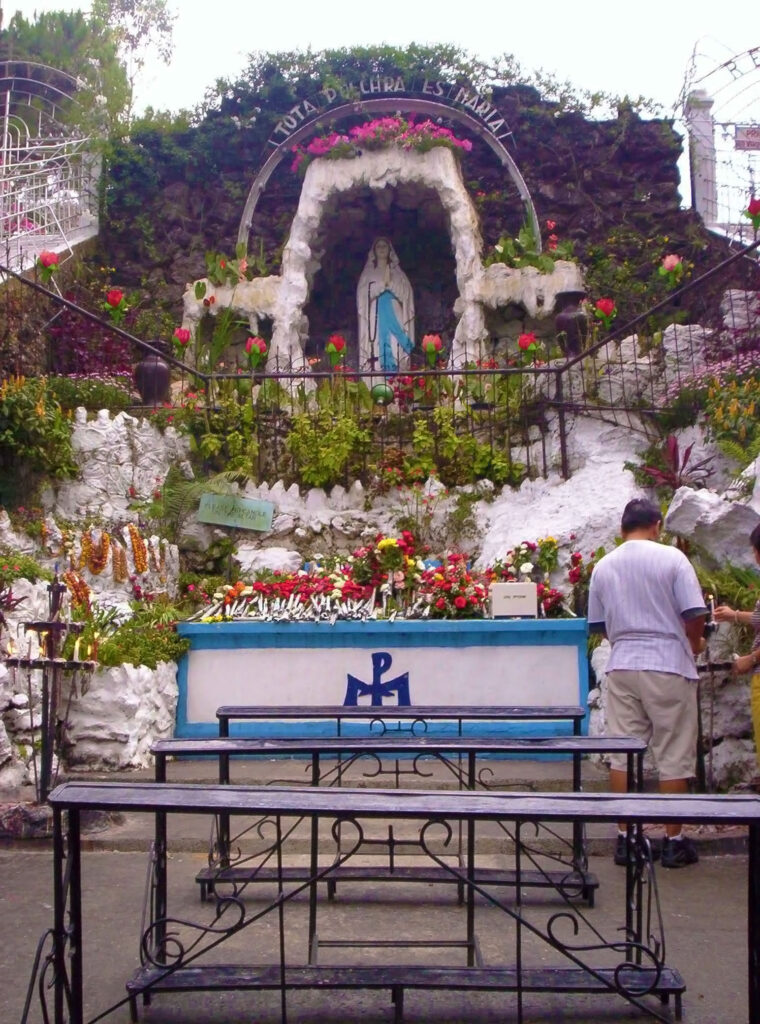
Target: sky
[{"x": 634, "y": 47}]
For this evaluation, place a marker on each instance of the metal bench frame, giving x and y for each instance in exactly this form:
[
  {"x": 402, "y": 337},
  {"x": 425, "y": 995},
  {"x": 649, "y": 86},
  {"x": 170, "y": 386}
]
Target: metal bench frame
[{"x": 641, "y": 970}]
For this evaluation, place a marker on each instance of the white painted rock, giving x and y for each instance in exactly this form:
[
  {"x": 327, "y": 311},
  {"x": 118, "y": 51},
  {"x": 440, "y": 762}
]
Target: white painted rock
[
  {"x": 253, "y": 559},
  {"x": 721, "y": 528}
]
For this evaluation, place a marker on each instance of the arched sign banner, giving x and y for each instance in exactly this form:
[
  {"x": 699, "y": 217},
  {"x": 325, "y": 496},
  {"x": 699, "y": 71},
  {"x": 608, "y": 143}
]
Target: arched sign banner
[
  {"x": 455, "y": 96},
  {"x": 437, "y": 100}
]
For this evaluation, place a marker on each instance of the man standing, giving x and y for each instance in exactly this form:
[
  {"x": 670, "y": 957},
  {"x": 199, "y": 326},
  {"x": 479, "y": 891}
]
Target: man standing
[{"x": 646, "y": 598}]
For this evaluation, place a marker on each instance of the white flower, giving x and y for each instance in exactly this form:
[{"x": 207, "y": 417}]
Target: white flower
[{"x": 526, "y": 568}]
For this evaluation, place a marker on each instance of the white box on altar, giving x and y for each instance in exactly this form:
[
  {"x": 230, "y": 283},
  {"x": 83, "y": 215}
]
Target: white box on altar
[{"x": 512, "y": 600}]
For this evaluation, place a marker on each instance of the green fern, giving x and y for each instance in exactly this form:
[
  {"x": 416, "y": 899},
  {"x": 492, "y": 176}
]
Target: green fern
[
  {"x": 742, "y": 455},
  {"x": 180, "y": 497}
]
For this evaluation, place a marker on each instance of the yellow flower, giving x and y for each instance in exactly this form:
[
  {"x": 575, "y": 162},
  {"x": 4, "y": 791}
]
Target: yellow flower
[{"x": 387, "y": 542}]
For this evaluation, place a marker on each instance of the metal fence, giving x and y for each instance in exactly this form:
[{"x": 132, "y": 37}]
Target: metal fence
[{"x": 498, "y": 419}]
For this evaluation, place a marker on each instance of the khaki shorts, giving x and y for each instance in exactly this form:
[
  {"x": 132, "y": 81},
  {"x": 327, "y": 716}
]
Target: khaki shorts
[{"x": 658, "y": 707}]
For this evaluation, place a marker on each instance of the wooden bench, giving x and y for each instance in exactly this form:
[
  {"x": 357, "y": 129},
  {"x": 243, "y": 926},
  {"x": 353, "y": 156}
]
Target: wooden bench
[
  {"x": 430, "y": 810},
  {"x": 576, "y": 878},
  {"x": 415, "y": 716}
]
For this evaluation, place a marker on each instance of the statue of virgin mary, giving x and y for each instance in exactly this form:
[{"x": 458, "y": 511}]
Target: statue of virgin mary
[{"x": 385, "y": 305}]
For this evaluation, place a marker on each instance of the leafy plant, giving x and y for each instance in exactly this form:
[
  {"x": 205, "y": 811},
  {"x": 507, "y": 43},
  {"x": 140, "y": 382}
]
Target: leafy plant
[
  {"x": 35, "y": 436},
  {"x": 667, "y": 468},
  {"x": 14, "y": 565},
  {"x": 93, "y": 392},
  {"x": 524, "y": 251},
  {"x": 326, "y": 448}
]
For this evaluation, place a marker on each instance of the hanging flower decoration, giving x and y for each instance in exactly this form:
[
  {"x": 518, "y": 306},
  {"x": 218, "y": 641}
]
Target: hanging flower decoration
[
  {"x": 431, "y": 347},
  {"x": 604, "y": 310},
  {"x": 139, "y": 549},
  {"x": 379, "y": 134},
  {"x": 671, "y": 269},
  {"x": 181, "y": 339},
  {"x": 335, "y": 349},
  {"x": 47, "y": 264},
  {"x": 256, "y": 348},
  {"x": 753, "y": 212},
  {"x": 115, "y": 305}
]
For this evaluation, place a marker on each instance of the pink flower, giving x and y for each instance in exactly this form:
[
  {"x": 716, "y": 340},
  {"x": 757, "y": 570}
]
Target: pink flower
[
  {"x": 671, "y": 261},
  {"x": 527, "y": 342},
  {"x": 605, "y": 306},
  {"x": 551, "y": 225},
  {"x": 182, "y": 335},
  {"x": 753, "y": 207},
  {"x": 256, "y": 349},
  {"x": 48, "y": 259},
  {"x": 256, "y": 343}
]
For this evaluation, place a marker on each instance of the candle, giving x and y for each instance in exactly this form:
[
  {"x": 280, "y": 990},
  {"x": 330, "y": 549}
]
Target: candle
[{"x": 77, "y": 642}]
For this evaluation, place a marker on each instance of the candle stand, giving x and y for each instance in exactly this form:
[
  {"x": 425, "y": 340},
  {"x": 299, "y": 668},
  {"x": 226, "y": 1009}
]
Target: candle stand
[{"x": 60, "y": 679}]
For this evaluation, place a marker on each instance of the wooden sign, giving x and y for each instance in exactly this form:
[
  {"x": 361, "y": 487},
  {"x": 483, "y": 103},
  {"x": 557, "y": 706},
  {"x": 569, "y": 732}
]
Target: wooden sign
[{"x": 231, "y": 510}]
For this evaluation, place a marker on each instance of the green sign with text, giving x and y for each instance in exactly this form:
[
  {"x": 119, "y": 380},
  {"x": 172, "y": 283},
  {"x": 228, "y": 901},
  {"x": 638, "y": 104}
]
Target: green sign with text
[{"x": 230, "y": 510}]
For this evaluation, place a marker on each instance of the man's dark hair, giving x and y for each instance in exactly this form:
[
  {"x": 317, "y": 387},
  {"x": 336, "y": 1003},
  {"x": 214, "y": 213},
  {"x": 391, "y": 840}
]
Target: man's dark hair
[
  {"x": 639, "y": 514},
  {"x": 754, "y": 538}
]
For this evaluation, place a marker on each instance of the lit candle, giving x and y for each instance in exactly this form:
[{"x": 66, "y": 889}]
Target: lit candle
[
  {"x": 711, "y": 605},
  {"x": 77, "y": 642},
  {"x": 11, "y": 646}
]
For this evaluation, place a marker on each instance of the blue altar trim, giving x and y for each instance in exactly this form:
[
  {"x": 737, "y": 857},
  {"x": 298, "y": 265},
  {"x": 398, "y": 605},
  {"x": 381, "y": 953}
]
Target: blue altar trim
[{"x": 437, "y": 634}]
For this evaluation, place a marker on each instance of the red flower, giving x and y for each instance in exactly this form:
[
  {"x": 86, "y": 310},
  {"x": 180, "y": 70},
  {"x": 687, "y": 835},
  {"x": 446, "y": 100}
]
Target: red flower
[
  {"x": 753, "y": 207},
  {"x": 48, "y": 259},
  {"x": 440, "y": 603},
  {"x": 551, "y": 225},
  {"x": 605, "y": 306},
  {"x": 460, "y": 602},
  {"x": 114, "y": 297},
  {"x": 527, "y": 342},
  {"x": 256, "y": 343},
  {"x": 182, "y": 335},
  {"x": 337, "y": 341},
  {"x": 432, "y": 342}
]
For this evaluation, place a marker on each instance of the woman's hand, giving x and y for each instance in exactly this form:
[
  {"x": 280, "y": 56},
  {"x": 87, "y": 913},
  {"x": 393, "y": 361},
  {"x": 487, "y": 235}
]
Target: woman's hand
[
  {"x": 724, "y": 614},
  {"x": 745, "y": 663}
]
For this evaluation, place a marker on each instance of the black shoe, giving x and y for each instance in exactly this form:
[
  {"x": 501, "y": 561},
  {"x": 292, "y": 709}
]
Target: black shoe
[
  {"x": 647, "y": 848},
  {"x": 677, "y": 853}
]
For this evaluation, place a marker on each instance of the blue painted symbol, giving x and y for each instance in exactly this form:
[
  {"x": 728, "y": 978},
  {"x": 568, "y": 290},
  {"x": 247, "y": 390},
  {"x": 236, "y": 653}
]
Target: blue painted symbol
[{"x": 376, "y": 690}]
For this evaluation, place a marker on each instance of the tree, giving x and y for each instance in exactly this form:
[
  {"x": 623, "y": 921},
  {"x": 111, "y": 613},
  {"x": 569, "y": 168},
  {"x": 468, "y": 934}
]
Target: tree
[
  {"x": 139, "y": 27},
  {"x": 69, "y": 42}
]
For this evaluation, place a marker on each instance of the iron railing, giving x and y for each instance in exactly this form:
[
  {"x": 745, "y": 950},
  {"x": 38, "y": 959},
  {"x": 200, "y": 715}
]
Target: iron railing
[{"x": 478, "y": 421}]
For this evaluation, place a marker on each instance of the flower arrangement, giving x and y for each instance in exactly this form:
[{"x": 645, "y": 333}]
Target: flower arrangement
[
  {"x": 47, "y": 264},
  {"x": 671, "y": 269},
  {"x": 431, "y": 347},
  {"x": 452, "y": 591},
  {"x": 335, "y": 349},
  {"x": 753, "y": 212},
  {"x": 387, "y": 578},
  {"x": 378, "y": 134},
  {"x": 256, "y": 350},
  {"x": 579, "y": 577},
  {"x": 115, "y": 305}
]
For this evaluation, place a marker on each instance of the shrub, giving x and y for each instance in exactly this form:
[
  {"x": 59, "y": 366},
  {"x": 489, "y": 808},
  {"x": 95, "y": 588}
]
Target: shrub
[{"x": 93, "y": 392}]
